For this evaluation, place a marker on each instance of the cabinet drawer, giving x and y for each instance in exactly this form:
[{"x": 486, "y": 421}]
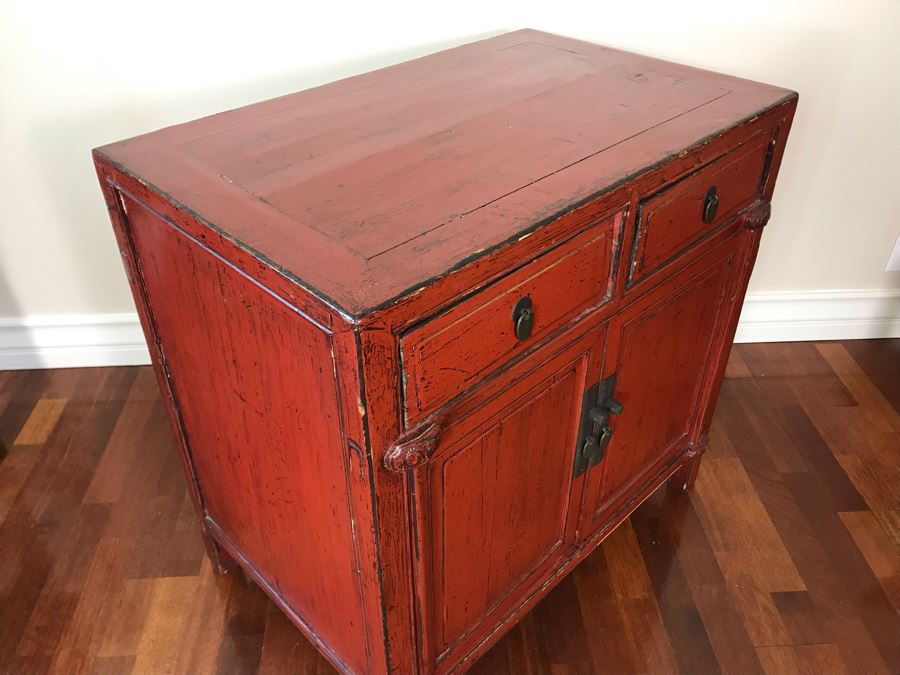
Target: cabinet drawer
[
  {"x": 677, "y": 216},
  {"x": 453, "y": 351}
]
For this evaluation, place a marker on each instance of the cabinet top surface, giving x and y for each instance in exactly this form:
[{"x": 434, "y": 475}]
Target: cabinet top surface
[{"x": 367, "y": 188}]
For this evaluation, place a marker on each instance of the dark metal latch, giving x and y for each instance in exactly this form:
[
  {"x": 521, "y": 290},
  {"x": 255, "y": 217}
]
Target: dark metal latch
[{"x": 596, "y": 432}]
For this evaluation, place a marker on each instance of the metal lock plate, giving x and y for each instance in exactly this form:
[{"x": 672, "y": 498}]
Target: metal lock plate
[{"x": 596, "y": 433}]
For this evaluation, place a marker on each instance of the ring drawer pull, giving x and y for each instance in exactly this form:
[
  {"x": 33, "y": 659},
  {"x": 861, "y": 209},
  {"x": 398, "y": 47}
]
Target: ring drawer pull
[
  {"x": 523, "y": 318},
  {"x": 710, "y": 204}
]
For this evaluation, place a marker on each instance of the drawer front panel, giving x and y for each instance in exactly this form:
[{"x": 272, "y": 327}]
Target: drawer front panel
[
  {"x": 676, "y": 217},
  {"x": 452, "y": 352}
]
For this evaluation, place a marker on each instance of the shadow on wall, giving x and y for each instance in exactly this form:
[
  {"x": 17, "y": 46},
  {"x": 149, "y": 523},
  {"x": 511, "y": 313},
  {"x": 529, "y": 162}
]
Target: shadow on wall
[{"x": 80, "y": 239}]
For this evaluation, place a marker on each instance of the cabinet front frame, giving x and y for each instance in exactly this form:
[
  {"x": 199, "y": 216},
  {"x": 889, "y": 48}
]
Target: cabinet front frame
[{"x": 733, "y": 241}]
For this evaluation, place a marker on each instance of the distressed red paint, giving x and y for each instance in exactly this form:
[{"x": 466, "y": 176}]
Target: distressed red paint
[{"x": 327, "y": 283}]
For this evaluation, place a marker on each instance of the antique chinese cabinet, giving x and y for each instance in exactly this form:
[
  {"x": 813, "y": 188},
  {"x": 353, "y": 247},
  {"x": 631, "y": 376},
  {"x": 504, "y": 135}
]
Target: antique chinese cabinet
[{"x": 426, "y": 335}]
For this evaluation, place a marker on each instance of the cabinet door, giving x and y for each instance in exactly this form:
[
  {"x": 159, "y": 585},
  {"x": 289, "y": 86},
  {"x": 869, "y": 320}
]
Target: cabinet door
[
  {"x": 662, "y": 354},
  {"x": 497, "y": 504}
]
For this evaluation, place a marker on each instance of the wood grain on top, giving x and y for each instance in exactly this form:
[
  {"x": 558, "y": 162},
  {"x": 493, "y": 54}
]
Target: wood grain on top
[{"x": 366, "y": 188}]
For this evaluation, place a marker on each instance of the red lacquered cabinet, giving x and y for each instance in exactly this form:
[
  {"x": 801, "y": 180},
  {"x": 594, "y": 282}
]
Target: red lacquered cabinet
[{"x": 426, "y": 335}]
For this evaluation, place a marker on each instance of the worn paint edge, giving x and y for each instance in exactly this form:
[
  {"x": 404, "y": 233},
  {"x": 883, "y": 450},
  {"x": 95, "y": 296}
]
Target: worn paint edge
[
  {"x": 356, "y": 315},
  {"x": 373, "y": 497}
]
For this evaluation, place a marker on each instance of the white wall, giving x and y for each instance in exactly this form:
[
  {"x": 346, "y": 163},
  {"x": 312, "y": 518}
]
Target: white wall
[{"x": 80, "y": 74}]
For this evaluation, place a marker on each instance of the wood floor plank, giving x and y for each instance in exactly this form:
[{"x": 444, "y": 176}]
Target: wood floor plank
[
  {"x": 863, "y": 439},
  {"x": 125, "y": 615},
  {"x": 21, "y": 390},
  {"x": 719, "y": 443},
  {"x": 736, "y": 521},
  {"x": 803, "y": 659},
  {"x": 875, "y": 479},
  {"x": 240, "y": 650},
  {"x": 880, "y": 361},
  {"x": 522, "y": 650},
  {"x": 865, "y": 596},
  {"x": 47, "y": 538},
  {"x": 114, "y": 473},
  {"x": 736, "y": 366},
  {"x": 881, "y": 554},
  {"x": 80, "y": 647},
  {"x": 746, "y": 409},
  {"x": 188, "y": 611},
  {"x": 113, "y": 665},
  {"x": 777, "y": 659},
  {"x": 40, "y": 422},
  {"x": 51, "y": 616},
  {"x": 636, "y": 602},
  {"x": 858, "y": 383},
  {"x": 803, "y": 620},
  {"x": 753, "y": 600},
  {"x": 785, "y": 359},
  {"x": 694, "y": 652},
  {"x": 17, "y": 466},
  {"x": 722, "y": 619},
  {"x": 821, "y": 462},
  {"x": 784, "y": 559},
  {"x": 285, "y": 650},
  {"x": 795, "y": 512},
  {"x": 559, "y": 622},
  {"x": 611, "y": 643}
]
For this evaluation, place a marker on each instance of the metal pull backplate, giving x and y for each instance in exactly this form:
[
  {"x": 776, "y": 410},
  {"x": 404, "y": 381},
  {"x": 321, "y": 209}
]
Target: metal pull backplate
[
  {"x": 710, "y": 204},
  {"x": 523, "y": 318}
]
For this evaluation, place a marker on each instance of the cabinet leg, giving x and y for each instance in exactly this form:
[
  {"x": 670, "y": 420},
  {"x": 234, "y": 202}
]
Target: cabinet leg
[
  {"x": 222, "y": 562},
  {"x": 684, "y": 477}
]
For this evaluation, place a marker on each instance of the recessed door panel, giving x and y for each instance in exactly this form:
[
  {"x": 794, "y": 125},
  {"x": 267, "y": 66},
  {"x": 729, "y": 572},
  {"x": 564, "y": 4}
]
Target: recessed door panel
[
  {"x": 498, "y": 501},
  {"x": 661, "y": 351}
]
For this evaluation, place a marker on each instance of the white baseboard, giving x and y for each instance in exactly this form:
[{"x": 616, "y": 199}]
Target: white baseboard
[
  {"x": 820, "y": 315},
  {"x": 72, "y": 341},
  {"x": 80, "y": 340}
]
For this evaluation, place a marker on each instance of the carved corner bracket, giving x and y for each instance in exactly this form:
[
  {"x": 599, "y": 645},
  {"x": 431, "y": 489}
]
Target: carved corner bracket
[
  {"x": 757, "y": 214},
  {"x": 413, "y": 448}
]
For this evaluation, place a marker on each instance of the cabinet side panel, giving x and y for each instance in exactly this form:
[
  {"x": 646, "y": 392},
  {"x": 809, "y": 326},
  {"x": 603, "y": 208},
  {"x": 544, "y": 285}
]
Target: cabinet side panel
[{"x": 254, "y": 381}]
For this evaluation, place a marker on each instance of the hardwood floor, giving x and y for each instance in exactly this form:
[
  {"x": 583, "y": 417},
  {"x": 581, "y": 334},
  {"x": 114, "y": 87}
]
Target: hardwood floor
[{"x": 784, "y": 559}]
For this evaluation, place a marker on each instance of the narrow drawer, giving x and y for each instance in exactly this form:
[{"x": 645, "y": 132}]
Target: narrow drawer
[
  {"x": 453, "y": 351},
  {"x": 675, "y": 217}
]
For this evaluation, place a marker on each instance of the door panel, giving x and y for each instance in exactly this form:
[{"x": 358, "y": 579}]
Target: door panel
[
  {"x": 661, "y": 352},
  {"x": 509, "y": 528},
  {"x": 497, "y": 500}
]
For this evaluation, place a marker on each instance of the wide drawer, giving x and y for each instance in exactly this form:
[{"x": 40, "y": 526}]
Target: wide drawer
[
  {"x": 451, "y": 352},
  {"x": 677, "y": 216}
]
